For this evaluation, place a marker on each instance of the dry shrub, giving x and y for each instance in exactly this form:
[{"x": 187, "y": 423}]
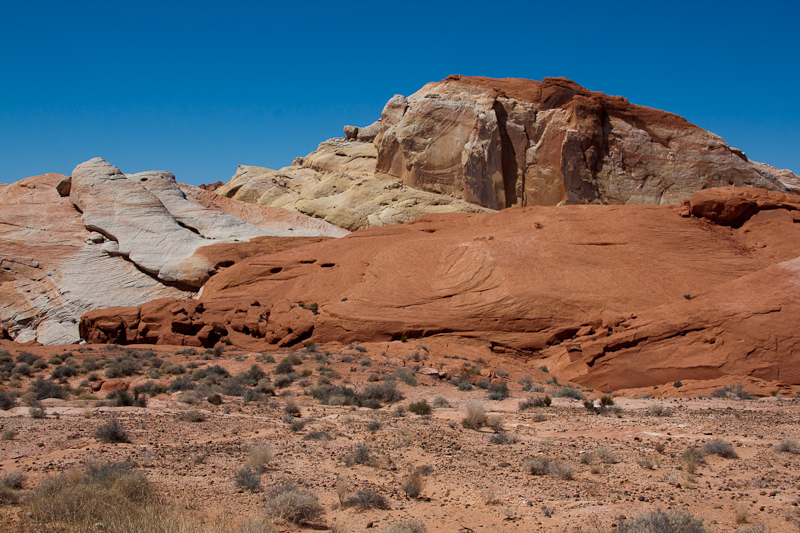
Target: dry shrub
[
  {"x": 288, "y": 503},
  {"x": 537, "y": 466},
  {"x": 721, "y": 448},
  {"x": 660, "y": 522},
  {"x": 475, "y": 417},
  {"x": 112, "y": 431},
  {"x": 693, "y": 457},
  {"x": 413, "y": 483},
  {"x": 561, "y": 470},
  {"x": 260, "y": 456},
  {"x": 740, "y": 514},
  {"x": 412, "y": 526},
  {"x": 367, "y": 499},
  {"x": 788, "y": 446},
  {"x": 604, "y": 455},
  {"x": 660, "y": 410}
]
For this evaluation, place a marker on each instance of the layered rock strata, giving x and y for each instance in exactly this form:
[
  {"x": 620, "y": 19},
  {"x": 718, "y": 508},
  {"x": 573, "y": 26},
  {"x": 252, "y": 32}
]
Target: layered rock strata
[{"x": 578, "y": 286}]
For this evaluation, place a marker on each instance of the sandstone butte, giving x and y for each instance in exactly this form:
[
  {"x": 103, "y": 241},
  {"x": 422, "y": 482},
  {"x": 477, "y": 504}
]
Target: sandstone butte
[
  {"x": 607, "y": 296},
  {"x": 102, "y": 238},
  {"x": 470, "y": 144}
]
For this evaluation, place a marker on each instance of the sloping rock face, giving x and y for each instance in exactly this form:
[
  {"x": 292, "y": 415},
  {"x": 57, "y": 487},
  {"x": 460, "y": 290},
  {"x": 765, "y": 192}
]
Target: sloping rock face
[
  {"x": 101, "y": 238},
  {"x": 583, "y": 287},
  {"x": 513, "y": 142},
  {"x": 337, "y": 183},
  {"x": 469, "y": 144}
]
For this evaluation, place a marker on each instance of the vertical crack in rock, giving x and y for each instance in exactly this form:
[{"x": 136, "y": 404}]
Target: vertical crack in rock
[{"x": 508, "y": 157}]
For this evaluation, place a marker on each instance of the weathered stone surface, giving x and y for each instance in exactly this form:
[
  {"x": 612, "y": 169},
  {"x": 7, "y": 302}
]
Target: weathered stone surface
[
  {"x": 53, "y": 268},
  {"x": 512, "y": 142},
  {"x": 497, "y": 143},
  {"x": 604, "y": 294},
  {"x": 336, "y": 183}
]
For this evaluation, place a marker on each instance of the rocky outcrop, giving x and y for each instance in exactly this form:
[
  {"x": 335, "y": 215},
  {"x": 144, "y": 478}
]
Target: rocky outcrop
[
  {"x": 100, "y": 238},
  {"x": 336, "y": 183},
  {"x": 512, "y": 142},
  {"x": 497, "y": 143},
  {"x": 567, "y": 284}
]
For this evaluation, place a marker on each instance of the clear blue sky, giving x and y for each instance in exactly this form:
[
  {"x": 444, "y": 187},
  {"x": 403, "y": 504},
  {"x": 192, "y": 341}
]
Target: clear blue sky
[{"x": 198, "y": 87}]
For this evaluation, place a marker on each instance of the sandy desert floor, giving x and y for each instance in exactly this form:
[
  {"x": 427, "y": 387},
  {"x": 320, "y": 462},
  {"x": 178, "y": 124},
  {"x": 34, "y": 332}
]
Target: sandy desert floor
[{"x": 551, "y": 468}]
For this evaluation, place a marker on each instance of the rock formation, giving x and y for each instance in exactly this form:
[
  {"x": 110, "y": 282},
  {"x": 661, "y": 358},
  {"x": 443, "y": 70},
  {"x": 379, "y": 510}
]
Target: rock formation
[
  {"x": 102, "y": 238},
  {"x": 567, "y": 284},
  {"x": 496, "y": 143}
]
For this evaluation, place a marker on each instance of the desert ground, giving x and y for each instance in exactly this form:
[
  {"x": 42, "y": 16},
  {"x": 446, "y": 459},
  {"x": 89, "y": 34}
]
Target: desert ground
[{"x": 393, "y": 436}]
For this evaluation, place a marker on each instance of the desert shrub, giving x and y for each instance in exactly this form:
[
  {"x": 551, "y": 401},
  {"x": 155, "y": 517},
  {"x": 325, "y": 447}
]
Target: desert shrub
[
  {"x": 174, "y": 369},
  {"x": 193, "y": 416},
  {"x": 729, "y": 391},
  {"x": 561, "y": 470},
  {"x": 411, "y": 526},
  {"x": 211, "y": 374},
  {"x": 367, "y": 499},
  {"x": 7, "y": 401},
  {"x": 373, "y": 425},
  {"x": 44, "y": 388},
  {"x": 113, "y": 494},
  {"x": 260, "y": 456},
  {"x": 421, "y": 407},
  {"x": 251, "y": 395},
  {"x": 570, "y": 392},
  {"x": 122, "y": 367},
  {"x": 464, "y": 385},
  {"x": 365, "y": 362},
  {"x": 22, "y": 369},
  {"x": 413, "y": 483},
  {"x": 63, "y": 372},
  {"x": 255, "y": 373},
  {"x": 606, "y": 456},
  {"x": 536, "y": 401},
  {"x": 281, "y": 380},
  {"x": 406, "y": 376},
  {"x": 297, "y": 425},
  {"x": 188, "y": 397},
  {"x": 384, "y": 392},
  {"x": 246, "y": 478},
  {"x": 537, "y": 466},
  {"x": 264, "y": 386},
  {"x": 788, "y": 446},
  {"x": 336, "y": 395},
  {"x": 755, "y": 528},
  {"x": 482, "y": 384},
  {"x": 27, "y": 358},
  {"x": 13, "y": 480},
  {"x": 662, "y": 522},
  {"x": 286, "y": 502},
  {"x": 112, "y": 431},
  {"x": 317, "y": 435},
  {"x": 440, "y": 403},
  {"x": 150, "y": 387},
  {"x": 495, "y": 422},
  {"x": 475, "y": 416},
  {"x": 120, "y": 398},
  {"x": 498, "y": 391},
  {"x": 181, "y": 384},
  {"x": 721, "y": 448},
  {"x": 659, "y": 410},
  {"x": 285, "y": 366},
  {"x": 234, "y": 386},
  {"x": 358, "y": 454},
  {"x": 35, "y": 409},
  {"x": 693, "y": 457},
  {"x": 502, "y": 437}
]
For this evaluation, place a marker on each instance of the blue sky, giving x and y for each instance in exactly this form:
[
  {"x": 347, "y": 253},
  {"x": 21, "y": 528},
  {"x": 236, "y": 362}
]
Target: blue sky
[{"x": 198, "y": 87}]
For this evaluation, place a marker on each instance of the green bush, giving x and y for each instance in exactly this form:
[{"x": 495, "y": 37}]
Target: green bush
[{"x": 421, "y": 407}]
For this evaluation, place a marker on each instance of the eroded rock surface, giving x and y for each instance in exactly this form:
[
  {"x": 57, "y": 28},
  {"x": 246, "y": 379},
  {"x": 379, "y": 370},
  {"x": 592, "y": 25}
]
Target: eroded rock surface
[
  {"x": 101, "y": 238},
  {"x": 567, "y": 284},
  {"x": 469, "y": 144}
]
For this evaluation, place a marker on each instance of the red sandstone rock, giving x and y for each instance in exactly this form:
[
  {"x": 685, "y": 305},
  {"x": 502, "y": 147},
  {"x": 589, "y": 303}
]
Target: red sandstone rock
[{"x": 609, "y": 294}]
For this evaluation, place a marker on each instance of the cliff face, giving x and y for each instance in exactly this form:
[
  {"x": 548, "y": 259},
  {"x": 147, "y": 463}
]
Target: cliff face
[{"x": 511, "y": 142}]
